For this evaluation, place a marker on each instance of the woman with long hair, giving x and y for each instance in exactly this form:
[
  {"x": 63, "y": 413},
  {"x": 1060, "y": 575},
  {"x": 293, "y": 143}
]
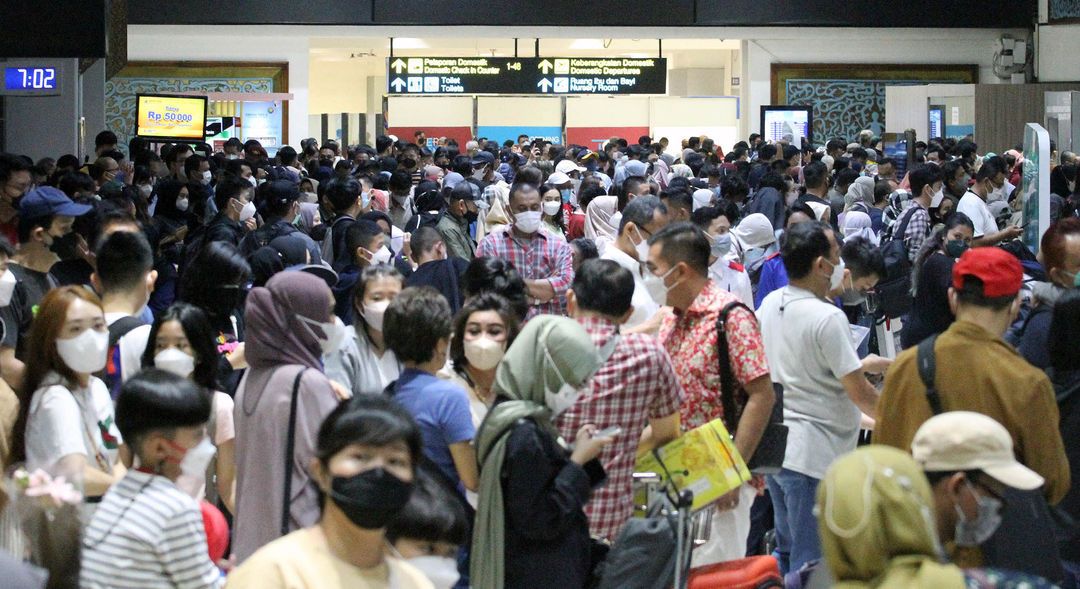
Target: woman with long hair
[
  {"x": 66, "y": 414},
  {"x": 182, "y": 342},
  {"x": 931, "y": 278}
]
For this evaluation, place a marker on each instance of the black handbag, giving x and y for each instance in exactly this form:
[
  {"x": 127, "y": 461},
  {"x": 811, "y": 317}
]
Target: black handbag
[{"x": 768, "y": 458}]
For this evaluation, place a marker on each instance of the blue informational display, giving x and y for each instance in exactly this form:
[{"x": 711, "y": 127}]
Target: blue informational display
[
  {"x": 29, "y": 78},
  {"x": 787, "y": 123},
  {"x": 937, "y": 116}
]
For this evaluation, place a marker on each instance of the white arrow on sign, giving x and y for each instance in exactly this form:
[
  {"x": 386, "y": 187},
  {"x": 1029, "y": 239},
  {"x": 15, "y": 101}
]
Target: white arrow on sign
[
  {"x": 544, "y": 84},
  {"x": 398, "y": 65},
  {"x": 397, "y": 84},
  {"x": 545, "y": 66}
]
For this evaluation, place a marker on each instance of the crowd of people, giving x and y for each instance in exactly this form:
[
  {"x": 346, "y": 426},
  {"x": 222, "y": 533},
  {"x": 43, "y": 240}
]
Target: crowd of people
[{"x": 361, "y": 366}]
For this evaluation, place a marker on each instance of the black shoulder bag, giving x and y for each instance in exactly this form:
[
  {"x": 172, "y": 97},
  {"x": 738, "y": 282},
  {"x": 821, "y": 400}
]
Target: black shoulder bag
[
  {"x": 768, "y": 458},
  {"x": 290, "y": 443},
  {"x": 1025, "y": 541}
]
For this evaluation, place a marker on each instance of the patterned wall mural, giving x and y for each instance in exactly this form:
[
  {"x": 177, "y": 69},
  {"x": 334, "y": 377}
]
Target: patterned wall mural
[
  {"x": 849, "y": 98},
  {"x": 1064, "y": 10},
  {"x": 166, "y": 78}
]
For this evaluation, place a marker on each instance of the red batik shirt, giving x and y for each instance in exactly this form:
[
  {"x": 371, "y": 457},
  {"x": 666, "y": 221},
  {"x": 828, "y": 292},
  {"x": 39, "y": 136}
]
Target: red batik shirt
[{"x": 690, "y": 338}]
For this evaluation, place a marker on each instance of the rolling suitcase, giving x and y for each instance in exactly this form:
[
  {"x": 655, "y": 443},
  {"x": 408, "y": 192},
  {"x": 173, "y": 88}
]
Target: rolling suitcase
[{"x": 756, "y": 572}]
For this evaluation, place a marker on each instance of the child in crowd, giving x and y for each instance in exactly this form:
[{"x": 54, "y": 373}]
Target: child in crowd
[
  {"x": 430, "y": 530},
  {"x": 148, "y": 533}
]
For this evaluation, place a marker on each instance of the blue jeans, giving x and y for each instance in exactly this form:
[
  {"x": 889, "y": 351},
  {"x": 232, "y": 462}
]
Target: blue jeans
[{"x": 797, "y": 539}]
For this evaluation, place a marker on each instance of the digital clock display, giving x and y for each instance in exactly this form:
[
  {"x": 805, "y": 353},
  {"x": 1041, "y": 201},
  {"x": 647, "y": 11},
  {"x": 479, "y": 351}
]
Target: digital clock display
[{"x": 30, "y": 78}]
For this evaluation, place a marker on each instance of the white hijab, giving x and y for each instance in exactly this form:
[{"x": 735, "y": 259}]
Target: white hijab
[
  {"x": 599, "y": 225},
  {"x": 858, "y": 224}
]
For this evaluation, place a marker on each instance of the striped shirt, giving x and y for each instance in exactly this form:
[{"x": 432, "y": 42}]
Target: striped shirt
[{"x": 147, "y": 533}]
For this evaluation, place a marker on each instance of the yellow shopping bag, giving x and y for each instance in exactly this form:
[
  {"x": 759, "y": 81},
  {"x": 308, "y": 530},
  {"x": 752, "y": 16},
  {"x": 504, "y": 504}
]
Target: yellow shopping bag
[{"x": 703, "y": 460}]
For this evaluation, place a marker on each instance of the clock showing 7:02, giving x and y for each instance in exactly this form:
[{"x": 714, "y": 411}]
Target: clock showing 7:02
[{"x": 30, "y": 80}]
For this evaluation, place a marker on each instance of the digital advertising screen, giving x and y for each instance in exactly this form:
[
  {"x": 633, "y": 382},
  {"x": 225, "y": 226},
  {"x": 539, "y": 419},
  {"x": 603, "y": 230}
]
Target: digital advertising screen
[
  {"x": 171, "y": 118},
  {"x": 786, "y": 123},
  {"x": 937, "y": 122}
]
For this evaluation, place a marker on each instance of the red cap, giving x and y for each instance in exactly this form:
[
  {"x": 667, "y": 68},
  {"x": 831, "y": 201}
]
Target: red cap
[{"x": 1000, "y": 272}]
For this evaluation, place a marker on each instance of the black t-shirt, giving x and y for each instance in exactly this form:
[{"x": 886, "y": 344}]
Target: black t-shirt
[
  {"x": 17, "y": 317},
  {"x": 36, "y": 283}
]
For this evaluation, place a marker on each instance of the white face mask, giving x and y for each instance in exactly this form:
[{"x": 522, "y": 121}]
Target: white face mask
[
  {"x": 309, "y": 197},
  {"x": 479, "y": 173},
  {"x": 7, "y": 287},
  {"x": 333, "y": 333},
  {"x": 397, "y": 239},
  {"x": 232, "y": 156},
  {"x": 146, "y": 190},
  {"x": 198, "y": 458},
  {"x": 247, "y": 212},
  {"x": 987, "y": 520},
  {"x": 182, "y": 204},
  {"x": 551, "y": 207},
  {"x": 836, "y": 278},
  {"x": 440, "y": 570},
  {"x": 527, "y": 222},
  {"x": 484, "y": 353},
  {"x": 565, "y": 397},
  {"x": 380, "y": 256},
  {"x": 373, "y": 314},
  {"x": 655, "y": 286},
  {"x": 253, "y": 181},
  {"x": 207, "y": 177},
  {"x": 175, "y": 361},
  {"x": 642, "y": 246},
  {"x": 85, "y": 353}
]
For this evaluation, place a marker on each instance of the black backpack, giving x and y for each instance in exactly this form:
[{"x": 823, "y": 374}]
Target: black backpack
[{"x": 894, "y": 289}]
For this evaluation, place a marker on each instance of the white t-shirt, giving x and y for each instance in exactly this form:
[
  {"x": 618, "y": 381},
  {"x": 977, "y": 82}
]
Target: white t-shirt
[
  {"x": 644, "y": 305},
  {"x": 132, "y": 346},
  {"x": 224, "y": 431},
  {"x": 65, "y": 421},
  {"x": 974, "y": 207},
  {"x": 808, "y": 343},
  {"x": 732, "y": 277}
]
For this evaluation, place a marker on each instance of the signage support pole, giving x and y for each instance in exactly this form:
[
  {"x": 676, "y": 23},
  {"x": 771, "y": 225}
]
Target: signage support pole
[
  {"x": 391, "y": 46},
  {"x": 660, "y": 48},
  {"x": 537, "y": 47}
]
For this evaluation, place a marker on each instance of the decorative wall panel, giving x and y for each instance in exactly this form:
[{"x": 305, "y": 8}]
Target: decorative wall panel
[{"x": 849, "y": 98}]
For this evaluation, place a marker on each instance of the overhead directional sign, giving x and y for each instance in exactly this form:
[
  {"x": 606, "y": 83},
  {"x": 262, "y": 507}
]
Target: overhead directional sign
[{"x": 526, "y": 75}]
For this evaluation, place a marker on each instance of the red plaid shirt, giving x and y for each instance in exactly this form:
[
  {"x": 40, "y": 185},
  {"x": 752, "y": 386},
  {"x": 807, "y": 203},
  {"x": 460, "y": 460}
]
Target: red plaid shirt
[
  {"x": 636, "y": 384},
  {"x": 543, "y": 256},
  {"x": 690, "y": 337}
]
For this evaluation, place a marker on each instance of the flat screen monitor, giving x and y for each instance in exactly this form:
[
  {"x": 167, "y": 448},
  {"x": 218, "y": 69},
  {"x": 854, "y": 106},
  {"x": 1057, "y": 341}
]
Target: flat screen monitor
[
  {"x": 937, "y": 121},
  {"x": 787, "y": 123},
  {"x": 899, "y": 147},
  {"x": 163, "y": 117}
]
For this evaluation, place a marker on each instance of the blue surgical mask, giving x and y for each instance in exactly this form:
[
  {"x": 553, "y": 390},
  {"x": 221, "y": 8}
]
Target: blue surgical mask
[{"x": 565, "y": 192}]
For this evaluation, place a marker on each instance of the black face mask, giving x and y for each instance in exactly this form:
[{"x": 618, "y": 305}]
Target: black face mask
[
  {"x": 370, "y": 499},
  {"x": 409, "y": 163},
  {"x": 65, "y": 247},
  {"x": 471, "y": 216}
]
